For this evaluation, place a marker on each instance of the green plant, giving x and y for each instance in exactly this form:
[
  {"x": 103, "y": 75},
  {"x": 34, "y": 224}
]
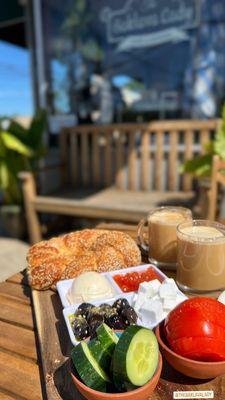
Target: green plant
[
  {"x": 20, "y": 148},
  {"x": 201, "y": 166}
]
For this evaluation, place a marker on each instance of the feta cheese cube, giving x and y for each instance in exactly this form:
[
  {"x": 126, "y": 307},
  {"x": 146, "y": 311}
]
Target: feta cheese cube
[
  {"x": 143, "y": 288},
  {"x": 151, "y": 311},
  {"x": 138, "y": 303},
  {"x": 149, "y": 288},
  {"x": 168, "y": 289},
  {"x": 169, "y": 303}
]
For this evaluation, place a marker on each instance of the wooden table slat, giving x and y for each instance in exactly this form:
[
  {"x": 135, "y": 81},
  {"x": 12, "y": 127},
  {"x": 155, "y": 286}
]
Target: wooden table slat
[
  {"x": 18, "y": 340},
  {"x": 14, "y": 312},
  {"x": 17, "y": 292},
  {"x": 19, "y": 377}
]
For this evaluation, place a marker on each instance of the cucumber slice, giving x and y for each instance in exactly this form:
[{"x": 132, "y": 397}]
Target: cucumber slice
[
  {"x": 135, "y": 358},
  {"x": 88, "y": 369},
  {"x": 100, "y": 354},
  {"x": 107, "y": 338}
]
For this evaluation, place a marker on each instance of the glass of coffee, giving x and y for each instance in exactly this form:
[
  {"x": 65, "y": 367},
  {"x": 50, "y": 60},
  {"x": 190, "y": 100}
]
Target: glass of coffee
[
  {"x": 161, "y": 243},
  {"x": 201, "y": 256}
]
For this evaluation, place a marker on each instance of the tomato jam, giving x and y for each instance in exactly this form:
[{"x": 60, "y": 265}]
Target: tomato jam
[{"x": 130, "y": 281}]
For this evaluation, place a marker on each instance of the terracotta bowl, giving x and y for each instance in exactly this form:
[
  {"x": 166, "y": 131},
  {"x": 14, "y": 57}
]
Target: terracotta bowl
[
  {"x": 188, "y": 367},
  {"x": 141, "y": 393}
]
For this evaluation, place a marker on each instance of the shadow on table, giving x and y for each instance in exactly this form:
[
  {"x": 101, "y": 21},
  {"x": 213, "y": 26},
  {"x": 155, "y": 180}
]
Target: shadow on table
[
  {"x": 63, "y": 335},
  {"x": 173, "y": 376},
  {"x": 64, "y": 384},
  {"x": 25, "y": 284}
]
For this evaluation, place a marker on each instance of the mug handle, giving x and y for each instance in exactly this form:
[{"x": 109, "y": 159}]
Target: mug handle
[{"x": 140, "y": 238}]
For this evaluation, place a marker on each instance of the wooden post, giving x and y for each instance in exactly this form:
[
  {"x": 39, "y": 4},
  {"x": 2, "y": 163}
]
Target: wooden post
[{"x": 29, "y": 194}]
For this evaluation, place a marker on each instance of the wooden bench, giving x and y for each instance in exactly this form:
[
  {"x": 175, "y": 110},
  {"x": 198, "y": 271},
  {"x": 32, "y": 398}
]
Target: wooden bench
[{"x": 119, "y": 172}]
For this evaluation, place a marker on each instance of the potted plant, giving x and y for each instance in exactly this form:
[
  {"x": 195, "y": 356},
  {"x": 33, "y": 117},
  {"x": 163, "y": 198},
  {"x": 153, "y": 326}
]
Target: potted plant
[
  {"x": 201, "y": 166},
  {"x": 20, "y": 149}
]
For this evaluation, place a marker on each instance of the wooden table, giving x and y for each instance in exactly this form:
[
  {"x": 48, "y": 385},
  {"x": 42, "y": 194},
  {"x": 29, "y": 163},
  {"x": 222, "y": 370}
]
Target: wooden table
[{"x": 34, "y": 361}]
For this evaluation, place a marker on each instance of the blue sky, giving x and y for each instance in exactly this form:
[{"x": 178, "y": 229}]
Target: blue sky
[{"x": 15, "y": 81}]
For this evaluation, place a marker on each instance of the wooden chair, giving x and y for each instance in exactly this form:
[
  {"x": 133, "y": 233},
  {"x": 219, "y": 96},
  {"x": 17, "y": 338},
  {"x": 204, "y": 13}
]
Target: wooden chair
[
  {"x": 217, "y": 178},
  {"x": 119, "y": 172}
]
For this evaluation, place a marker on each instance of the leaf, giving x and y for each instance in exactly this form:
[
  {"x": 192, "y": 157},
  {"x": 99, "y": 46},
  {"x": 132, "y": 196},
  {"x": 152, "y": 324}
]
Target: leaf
[
  {"x": 2, "y": 148},
  {"x": 13, "y": 143},
  {"x": 4, "y": 175},
  {"x": 36, "y": 130},
  {"x": 17, "y": 130},
  {"x": 9, "y": 184},
  {"x": 198, "y": 166}
]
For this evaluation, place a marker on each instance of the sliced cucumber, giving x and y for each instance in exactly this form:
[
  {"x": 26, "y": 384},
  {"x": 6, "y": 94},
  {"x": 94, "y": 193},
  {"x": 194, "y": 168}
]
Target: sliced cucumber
[
  {"x": 100, "y": 354},
  {"x": 107, "y": 338},
  {"x": 135, "y": 358},
  {"x": 88, "y": 369}
]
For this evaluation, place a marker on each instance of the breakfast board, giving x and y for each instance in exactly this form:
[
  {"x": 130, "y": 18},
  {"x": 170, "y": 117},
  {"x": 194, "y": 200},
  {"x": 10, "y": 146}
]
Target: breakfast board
[{"x": 55, "y": 349}]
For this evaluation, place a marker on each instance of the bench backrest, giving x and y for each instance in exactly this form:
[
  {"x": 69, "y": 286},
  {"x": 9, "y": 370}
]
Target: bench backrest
[{"x": 133, "y": 156}]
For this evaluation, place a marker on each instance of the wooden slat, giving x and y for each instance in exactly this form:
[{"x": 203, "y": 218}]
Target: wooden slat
[
  {"x": 18, "y": 340},
  {"x": 73, "y": 158},
  {"x": 173, "y": 154},
  {"x": 167, "y": 125},
  {"x": 108, "y": 159},
  {"x": 188, "y": 154},
  {"x": 84, "y": 158},
  {"x": 159, "y": 159},
  {"x": 132, "y": 161},
  {"x": 120, "y": 162},
  {"x": 19, "y": 377},
  {"x": 145, "y": 152},
  {"x": 204, "y": 139},
  {"x": 16, "y": 313},
  {"x": 16, "y": 292},
  {"x": 95, "y": 160}
]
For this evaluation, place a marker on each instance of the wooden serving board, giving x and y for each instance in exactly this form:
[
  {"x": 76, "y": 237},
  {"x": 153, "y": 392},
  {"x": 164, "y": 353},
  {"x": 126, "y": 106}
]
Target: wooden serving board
[{"x": 55, "y": 347}]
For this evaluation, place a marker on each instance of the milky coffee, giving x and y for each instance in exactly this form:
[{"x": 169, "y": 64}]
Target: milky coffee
[
  {"x": 162, "y": 225},
  {"x": 201, "y": 256}
]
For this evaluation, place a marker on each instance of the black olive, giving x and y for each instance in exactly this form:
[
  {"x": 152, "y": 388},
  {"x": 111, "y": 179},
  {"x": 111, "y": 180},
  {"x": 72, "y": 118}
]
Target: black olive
[
  {"x": 114, "y": 321},
  {"x": 92, "y": 312},
  {"x": 94, "y": 322},
  {"x": 120, "y": 304},
  {"x": 83, "y": 309},
  {"x": 80, "y": 328},
  {"x": 129, "y": 316},
  {"x": 104, "y": 307}
]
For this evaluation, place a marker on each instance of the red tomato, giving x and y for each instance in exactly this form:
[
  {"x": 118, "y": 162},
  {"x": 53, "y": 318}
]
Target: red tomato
[
  {"x": 200, "y": 348},
  {"x": 197, "y": 308},
  {"x": 202, "y": 328},
  {"x": 196, "y": 328}
]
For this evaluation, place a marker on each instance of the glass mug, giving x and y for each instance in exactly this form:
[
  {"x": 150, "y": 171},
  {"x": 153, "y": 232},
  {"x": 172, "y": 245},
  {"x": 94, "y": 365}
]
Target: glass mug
[
  {"x": 201, "y": 256},
  {"x": 162, "y": 234}
]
